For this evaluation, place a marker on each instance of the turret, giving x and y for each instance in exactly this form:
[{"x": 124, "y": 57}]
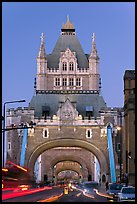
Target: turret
[
  {"x": 41, "y": 65},
  {"x": 41, "y": 59},
  {"x": 93, "y": 57},
  {"x": 94, "y": 67}
]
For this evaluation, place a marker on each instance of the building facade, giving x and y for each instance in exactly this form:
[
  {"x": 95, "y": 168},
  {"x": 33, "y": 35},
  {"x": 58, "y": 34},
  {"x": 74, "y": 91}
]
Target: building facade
[
  {"x": 68, "y": 110},
  {"x": 129, "y": 125}
]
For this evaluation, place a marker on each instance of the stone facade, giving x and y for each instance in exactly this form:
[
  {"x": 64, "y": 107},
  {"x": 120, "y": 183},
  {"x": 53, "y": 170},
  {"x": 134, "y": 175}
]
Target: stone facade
[
  {"x": 68, "y": 110},
  {"x": 129, "y": 127},
  {"x": 83, "y": 161}
]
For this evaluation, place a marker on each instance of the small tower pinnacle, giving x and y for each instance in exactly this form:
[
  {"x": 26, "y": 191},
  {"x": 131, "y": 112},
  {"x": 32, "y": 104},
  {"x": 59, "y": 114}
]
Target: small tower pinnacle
[
  {"x": 42, "y": 52},
  {"x": 67, "y": 17},
  {"x": 42, "y": 38},
  {"x": 93, "y": 50},
  {"x": 93, "y": 38},
  {"x": 93, "y": 43},
  {"x": 68, "y": 26}
]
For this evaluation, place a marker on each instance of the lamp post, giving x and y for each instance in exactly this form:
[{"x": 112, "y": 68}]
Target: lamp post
[
  {"x": 120, "y": 141},
  {"x": 128, "y": 157},
  {"x": 4, "y": 146},
  {"x": 120, "y": 153}
]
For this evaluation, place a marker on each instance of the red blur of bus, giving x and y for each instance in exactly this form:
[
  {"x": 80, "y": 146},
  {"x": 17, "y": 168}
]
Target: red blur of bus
[{"x": 14, "y": 176}]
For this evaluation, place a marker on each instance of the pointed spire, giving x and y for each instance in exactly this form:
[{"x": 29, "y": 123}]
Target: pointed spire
[
  {"x": 67, "y": 18},
  {"x": 93, "y": 43},
  {"x": 42, "y": 38},
  {"x": 93, "y": 38},
  {"x": 94, "y": 50},
  {"x": 42, "y": 52},
  {"x": 68, "y": 25}
]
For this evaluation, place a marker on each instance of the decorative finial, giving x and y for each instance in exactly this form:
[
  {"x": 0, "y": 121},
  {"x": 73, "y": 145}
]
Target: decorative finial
[
  {"x": 93, "y": 37},
  {"x": 67, "y": 17},
  {"x": 42, "y": 38}
]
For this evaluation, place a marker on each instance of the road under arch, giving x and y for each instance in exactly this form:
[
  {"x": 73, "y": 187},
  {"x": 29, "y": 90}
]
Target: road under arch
[{"x": 30, "y": 162}]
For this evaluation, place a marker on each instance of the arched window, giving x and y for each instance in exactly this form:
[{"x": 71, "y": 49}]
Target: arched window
[
  {"x": 71, "y": 66},
  {"x": 57, "y": 81},
  {"x": 64, "y": 82},
  {"x": 45, "y": 133},
  {"x": 103, "y": 178},
  {"x": 71, "y": 81},
  {"x": 78, "y": 82},
  {"x": 88, "y": 133},
  {"x": 64, "y": 65}
]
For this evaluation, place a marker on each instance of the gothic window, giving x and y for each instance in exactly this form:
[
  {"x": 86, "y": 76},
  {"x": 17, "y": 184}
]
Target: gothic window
[
  {"x": 64, "y": 82},
  {"x": 118, "y": 146},
  {"x": 88, "y": 133},
  {"x": 9, "y": 146},
  {"x": 57, "y": 82},
  {"x": 64, "y": 66},
  {"x": 45, "y": 133},
  {"x": 71, "y": 81},
  {"x": 78, "y": 82},
  {"x": 71, "y": 66}
]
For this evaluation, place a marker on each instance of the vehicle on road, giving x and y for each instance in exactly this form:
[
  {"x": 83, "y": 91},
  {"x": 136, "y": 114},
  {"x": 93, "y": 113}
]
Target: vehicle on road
[
  {"x": 16, "y": 176},
  {"x": 127, "y": 193},
  {"x": 114, "y": 189}
]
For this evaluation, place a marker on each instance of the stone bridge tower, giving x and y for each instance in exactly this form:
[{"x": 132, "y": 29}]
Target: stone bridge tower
[{"x": 70, "y": 113}]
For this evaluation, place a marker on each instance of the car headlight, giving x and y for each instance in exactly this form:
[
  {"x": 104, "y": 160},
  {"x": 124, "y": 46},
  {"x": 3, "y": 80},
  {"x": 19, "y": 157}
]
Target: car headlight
[
  {"x": 124, "y": 198},
  {"x": 111, "y": 193}
]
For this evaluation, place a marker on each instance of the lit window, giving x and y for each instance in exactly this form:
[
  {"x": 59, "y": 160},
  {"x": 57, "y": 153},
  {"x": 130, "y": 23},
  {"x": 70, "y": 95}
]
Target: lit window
[
  {"x": 64, "y": 66},
  {"x": 71, "y": 66},
  {"x": 64, "y": 82},
  {"x": 57, "y": 82},
  {"x": 71, "y": 82},
  {"x": 88, "y": 133}
]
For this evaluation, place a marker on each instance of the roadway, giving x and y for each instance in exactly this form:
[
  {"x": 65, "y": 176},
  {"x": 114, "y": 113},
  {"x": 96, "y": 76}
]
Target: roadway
[{"x": 53, "y": 194}]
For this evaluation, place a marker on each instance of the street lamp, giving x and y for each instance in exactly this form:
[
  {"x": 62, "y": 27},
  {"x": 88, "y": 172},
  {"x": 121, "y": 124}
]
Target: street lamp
[
  {"x": 120, "y": 115},
  {"x": 128, "y": 156},
  {"x": 120, "y": 151},
  {"x": 4, "y": 151}
]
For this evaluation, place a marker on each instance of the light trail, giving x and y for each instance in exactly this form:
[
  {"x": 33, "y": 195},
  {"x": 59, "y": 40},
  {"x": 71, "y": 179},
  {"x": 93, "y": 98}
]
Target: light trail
[
  {"x": 4, "y": 169},
  {"x": 22, "y": 193},
  {"x": 51, "y": 199},
  {"x": 78, "y": 194},
  {"x": 88, "y": 195},
  {"x": 20, "y": 167},
  {"x": 102, "y": 194}
]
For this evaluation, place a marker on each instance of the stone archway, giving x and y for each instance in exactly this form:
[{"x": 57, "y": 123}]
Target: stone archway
[
  {"x": 86, "y": 170},
  {"x": 30, "y": 159},
  {"x": 71, "y": 173},
  {"x": 70, "y": 158},
  {"x": 69, "y": 168}
]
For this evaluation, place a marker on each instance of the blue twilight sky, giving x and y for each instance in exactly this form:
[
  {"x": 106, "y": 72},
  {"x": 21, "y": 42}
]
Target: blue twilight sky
[{"x": 23, "y": 22}]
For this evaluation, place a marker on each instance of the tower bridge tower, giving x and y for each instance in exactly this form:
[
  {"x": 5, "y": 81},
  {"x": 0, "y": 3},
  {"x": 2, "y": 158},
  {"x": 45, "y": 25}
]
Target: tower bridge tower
[{"x": 68, "y": 109}]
